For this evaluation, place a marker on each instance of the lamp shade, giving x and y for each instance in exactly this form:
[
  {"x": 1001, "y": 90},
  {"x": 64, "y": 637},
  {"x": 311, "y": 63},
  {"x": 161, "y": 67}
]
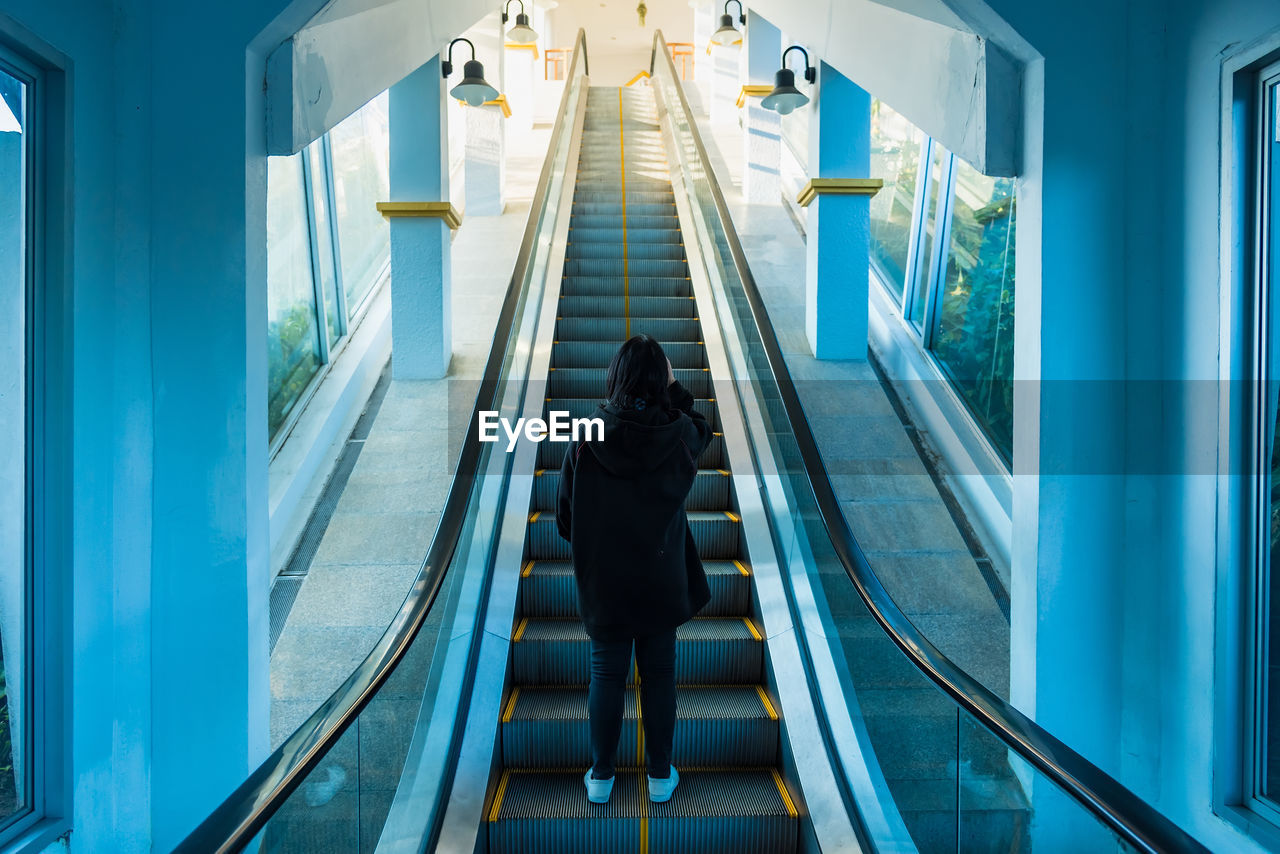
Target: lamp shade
[
  {"x": 785, "y": 97},
  {"x": 522, "y": 33},
  {"x": 727, "y": 34},
  {"x": 473, "y": 89}
]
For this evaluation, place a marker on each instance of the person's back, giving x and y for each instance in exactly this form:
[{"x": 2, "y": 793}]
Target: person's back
[{"x": 621, "y": 507}]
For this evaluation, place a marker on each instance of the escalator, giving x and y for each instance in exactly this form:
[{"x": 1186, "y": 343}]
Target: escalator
[
  {"x": 626, "y": 273},
  {"x": 801, "y": 684}
]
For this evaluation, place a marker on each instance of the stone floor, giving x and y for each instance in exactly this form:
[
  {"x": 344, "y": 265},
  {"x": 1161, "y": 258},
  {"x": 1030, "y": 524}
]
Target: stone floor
[
  {"x": 890, "y": 500},
  {"x": 387, "y": 514}
]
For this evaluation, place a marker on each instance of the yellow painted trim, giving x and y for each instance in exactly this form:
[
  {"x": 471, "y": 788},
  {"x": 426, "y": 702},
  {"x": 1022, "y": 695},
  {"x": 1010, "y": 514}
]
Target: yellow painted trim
[
  {"x": 534, "y": 517},
  {"x": 511, "y": 704},
  {"x": 497, "y": 799},
  {"x": 742, "y": 568},
  {"x": 786, "y": 796},
  {"x": 500, "y": 102},
  {"x": 753, "y": 90},
  {"x": 839, "y": 186},
  {"x": 539, "y": 472},
  {"x": 732, "y": 516},
  {"x": 723, "y": 472},
  {"x": 531, "y": 46},
  {"x": 764, "y": 698},
  {"x": 528, "y": 569},
  {"x": 622, "y": 173},
  {"x": 751, "y": 627},
  {"x": 442, "y": 210},
  {"x": 641, "y": 76},
  {"x": 520, "y": 627}
]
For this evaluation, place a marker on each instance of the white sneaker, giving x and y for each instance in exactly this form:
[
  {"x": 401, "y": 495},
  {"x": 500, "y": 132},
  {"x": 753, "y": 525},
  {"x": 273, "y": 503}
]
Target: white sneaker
[
  {"x": 598, "y": 791},
  {"x": 660, "y": 790}
]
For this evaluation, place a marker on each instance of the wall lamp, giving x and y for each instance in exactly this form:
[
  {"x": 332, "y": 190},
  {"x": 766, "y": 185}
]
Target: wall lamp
[
  {"x": 521, "y": 33},
  {"x": 785, "y": 97},
  {"x": 473, "y": 89},
  {"x": 728, "y": 34}
]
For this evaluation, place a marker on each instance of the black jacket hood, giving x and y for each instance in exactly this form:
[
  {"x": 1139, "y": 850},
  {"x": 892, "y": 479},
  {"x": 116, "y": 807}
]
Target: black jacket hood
[{"x": 639, "y": 441}]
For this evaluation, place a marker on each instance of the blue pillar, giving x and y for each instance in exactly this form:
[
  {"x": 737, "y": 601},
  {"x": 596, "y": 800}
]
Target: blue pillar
[
  {"x": 838, "y": 243},
  {"x": 762, "y": 129},
  {"x": 421, "y": 344}
]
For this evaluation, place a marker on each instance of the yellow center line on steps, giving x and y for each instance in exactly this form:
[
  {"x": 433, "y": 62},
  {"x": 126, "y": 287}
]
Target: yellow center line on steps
[
  {"x": 626, "y": 279},
  {"x": 641, "y": 770}
]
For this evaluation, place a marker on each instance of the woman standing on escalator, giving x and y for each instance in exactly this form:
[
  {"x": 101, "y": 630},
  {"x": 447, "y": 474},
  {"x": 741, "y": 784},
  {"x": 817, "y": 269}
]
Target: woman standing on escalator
[{"x": 621, "y": 507}]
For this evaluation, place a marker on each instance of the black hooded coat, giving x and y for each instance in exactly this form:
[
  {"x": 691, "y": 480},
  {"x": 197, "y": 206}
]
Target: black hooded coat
[{"x": 621, "y": 507}]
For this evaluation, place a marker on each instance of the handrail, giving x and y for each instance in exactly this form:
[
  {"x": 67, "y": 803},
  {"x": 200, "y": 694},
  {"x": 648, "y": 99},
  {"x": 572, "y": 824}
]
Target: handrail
[
  {"x": 1129, "y": 816},
  {"x": 235, "y": 822}
]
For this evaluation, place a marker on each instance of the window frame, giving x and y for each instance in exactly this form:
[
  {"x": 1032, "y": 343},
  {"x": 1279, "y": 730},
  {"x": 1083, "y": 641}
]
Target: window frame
[
  {"x": 1266, "y": 124},
  {"x": 48, "y": 417}
]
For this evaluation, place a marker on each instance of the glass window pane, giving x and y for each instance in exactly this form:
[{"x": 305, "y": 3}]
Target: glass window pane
[
  {"x": 361, "y": 163},
  {"x": 938, "y": 160},
  {"x": 895, "y": 157},
  {"x": 293, "y": 342},
  {"x": 16, "y": 720},
  {"x": 324, "y": 248},
  {"x": 1268, "y": 746},
  {"x": 974, "y": 336}
]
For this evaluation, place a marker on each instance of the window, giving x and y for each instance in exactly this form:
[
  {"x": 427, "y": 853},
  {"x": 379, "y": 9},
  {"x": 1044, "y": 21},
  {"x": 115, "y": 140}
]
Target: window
[
  {"x": 18, "y": 724},
  {"x": 895, "y": 157},
  {"x": 293, "y": 340},
  {"x": 942, "y": 244},
  {"x": 361, "y": 179},
  {"x": 1264, "y": 784},
  {"x": 973, "y": 338}
]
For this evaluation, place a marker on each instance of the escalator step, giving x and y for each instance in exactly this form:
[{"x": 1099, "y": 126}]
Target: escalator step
[
  {"x": 598, "y": 354},
  {"x": 637, "y": 286},
  {"x": 637, "y": 250},
  {"x": 547, "y": 589},
  {"x": 712, "y": 812},
  {"x": 710, "y": 490},
  {"x": 640, "y": 308},
  {"x": 590, "y": 382},
  {"x": 716, "y": 726},
  {"x": 618, "y": 267},
  {"x": 551, "y": 454},
  {"x": 715, "y": 533},
  {"x": 709, "y": 650},
  {"x": 615, "y": 328}
]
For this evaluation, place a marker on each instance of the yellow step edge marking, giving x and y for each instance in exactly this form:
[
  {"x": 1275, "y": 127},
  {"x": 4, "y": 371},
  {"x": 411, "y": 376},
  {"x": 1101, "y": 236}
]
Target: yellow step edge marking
[
  {"x": 723, "y": 472},
  {"x": 741, "y": 568},
  {"x": 524, "y": 621},
  {"x": 528, "y": 569},
  {"x": 535, "y": 516},
  {"x": 751, "y": 627},
  {"x": 786, "y": 796},
  {"x": 497, "y": 799},
  {"x": 626, "y": 279},
  {"x": 511, "y": 705},
  {"x": 732, "y": 517},
  {"x": 764, "y": 698},
  {"x": 539, "y": 472}
]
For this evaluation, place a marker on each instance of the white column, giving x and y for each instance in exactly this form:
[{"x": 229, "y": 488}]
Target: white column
[{"x": 421, "y": 317}]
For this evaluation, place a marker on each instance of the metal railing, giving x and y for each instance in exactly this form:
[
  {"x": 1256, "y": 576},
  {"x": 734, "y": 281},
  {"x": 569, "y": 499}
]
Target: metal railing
[
  {"x": 1132, "y": 819},
  {"x": 238, "y": 819}
]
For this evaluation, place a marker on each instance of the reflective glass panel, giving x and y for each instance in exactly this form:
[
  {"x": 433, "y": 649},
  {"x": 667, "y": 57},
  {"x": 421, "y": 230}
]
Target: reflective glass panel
[
  {"x": 895, "y": 157},
  {"x": 293, "y": 342},
  {"x": 1268, "y": 746},
  {"x": 933, "y": 193},
  {"x": 361, "y": 179},
  {"x": 16, "y": 720},
  {"x": 324, "y": 243},
  {"x": 974, "y": 336}
]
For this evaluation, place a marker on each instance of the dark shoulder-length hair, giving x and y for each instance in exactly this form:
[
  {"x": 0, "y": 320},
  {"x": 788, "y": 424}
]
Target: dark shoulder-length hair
[{"x": 637, "y": 377}]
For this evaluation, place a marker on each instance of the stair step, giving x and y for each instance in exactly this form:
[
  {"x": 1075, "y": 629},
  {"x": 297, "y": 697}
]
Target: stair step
[
  {"x": 715, "y": 533},
  {"x": 716, "y": 726},
  {"x": 551, "y": 454},
  {"x": 548, "y": 589},
  {"x": 619, "y": 266},
  {"x": 638, "y": 250},
  {"x": 620, "y": 306},
  {"x": 590, "y": 382},
  {"x": 615, "y": 328},
  {"x": 709, "y": 651},
  {"x": 711, "y": 812},
  {"x": 711, "y": 490},
  {"x": 598, "y": 354}
]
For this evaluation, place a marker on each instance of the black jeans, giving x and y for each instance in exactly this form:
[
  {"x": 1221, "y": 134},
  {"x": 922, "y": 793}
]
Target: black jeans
[{"x": 610, "y": 662}]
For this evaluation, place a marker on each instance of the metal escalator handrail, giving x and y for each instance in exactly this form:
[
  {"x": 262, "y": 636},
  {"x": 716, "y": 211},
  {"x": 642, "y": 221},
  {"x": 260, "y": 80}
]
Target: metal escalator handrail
[
  {"x": 235, "y": 822},
  {"x": 1129, "y": 816}
]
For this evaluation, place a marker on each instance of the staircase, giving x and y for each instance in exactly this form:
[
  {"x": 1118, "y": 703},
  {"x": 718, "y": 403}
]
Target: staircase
[{"x": 625, "y": 272}]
